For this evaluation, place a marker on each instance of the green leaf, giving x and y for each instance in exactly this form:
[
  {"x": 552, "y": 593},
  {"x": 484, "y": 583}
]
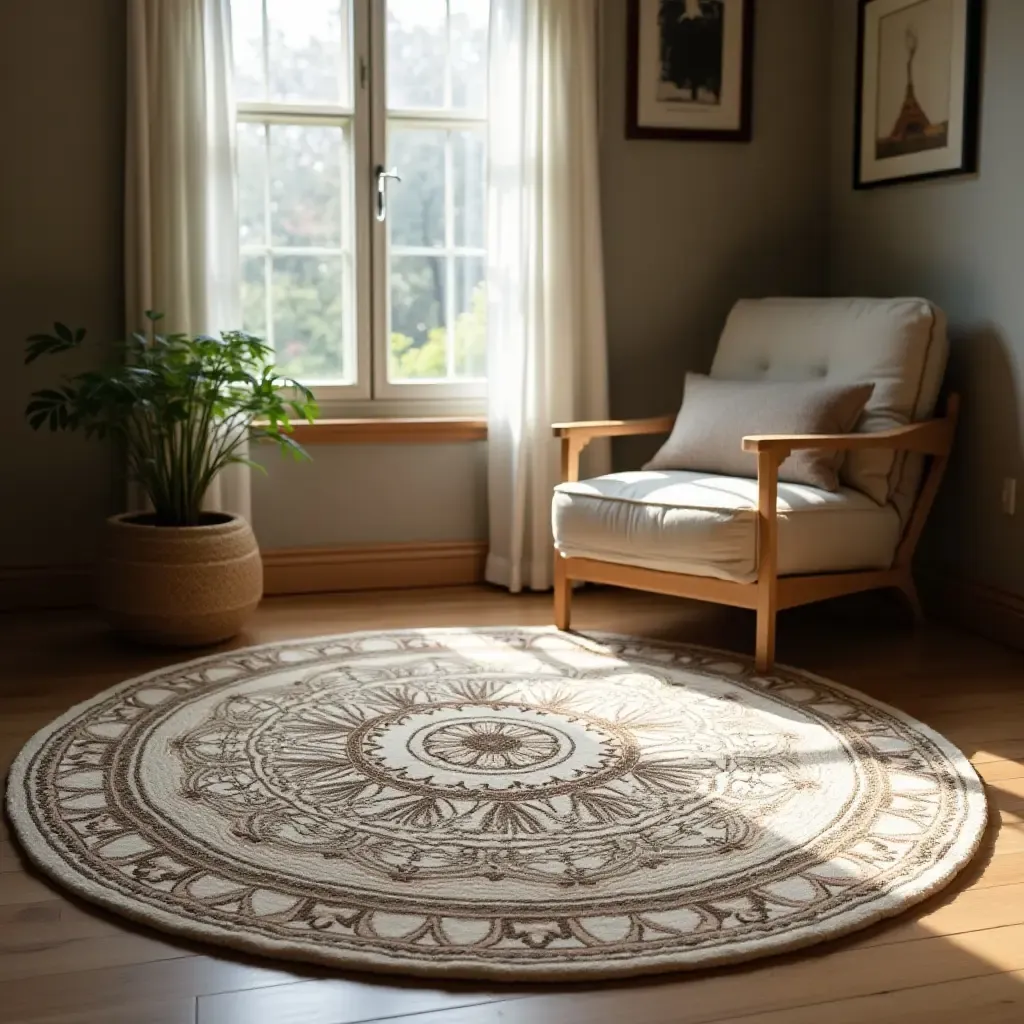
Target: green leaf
[
  {"x": 181, "y": 404},
  {"x": 252, "y": 465}
]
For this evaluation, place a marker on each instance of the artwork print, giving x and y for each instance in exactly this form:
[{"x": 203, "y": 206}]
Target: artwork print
[
  {"x": 691, "y": 51},
  {"x": 690, "y": 66},
  {"x": 917, "y": 91}
]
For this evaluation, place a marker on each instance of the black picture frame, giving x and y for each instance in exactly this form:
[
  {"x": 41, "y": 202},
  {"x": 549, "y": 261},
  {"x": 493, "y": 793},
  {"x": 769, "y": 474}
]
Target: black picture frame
[
  {"x": 968, "y": 163},
  {"x": 636, "y": 130}
]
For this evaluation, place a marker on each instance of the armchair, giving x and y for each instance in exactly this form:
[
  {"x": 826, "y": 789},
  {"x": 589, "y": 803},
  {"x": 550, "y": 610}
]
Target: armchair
[{"x": 718, "y": 538}]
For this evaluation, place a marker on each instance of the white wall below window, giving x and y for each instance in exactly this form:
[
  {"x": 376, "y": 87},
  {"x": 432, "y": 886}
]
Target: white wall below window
[{"x": 371, "y": 494}]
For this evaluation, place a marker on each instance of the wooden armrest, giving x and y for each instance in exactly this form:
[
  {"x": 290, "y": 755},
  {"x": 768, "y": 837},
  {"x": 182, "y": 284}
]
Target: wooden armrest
[
  {"x": 576, "y": 436},
  {"x": 932, "y": 437},
  {"x": 587, "y": 431}
]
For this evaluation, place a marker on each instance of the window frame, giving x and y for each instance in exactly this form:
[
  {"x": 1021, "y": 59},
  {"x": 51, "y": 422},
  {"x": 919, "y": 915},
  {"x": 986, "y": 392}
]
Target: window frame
[
  {"x": 356, "y": 117},
  {"x": 470, "y": 393},
  {"x": 369, "y": 119}
]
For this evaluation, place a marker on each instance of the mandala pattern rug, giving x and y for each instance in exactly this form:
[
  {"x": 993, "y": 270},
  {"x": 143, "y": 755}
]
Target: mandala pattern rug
[{"x": 497, "y": 803}]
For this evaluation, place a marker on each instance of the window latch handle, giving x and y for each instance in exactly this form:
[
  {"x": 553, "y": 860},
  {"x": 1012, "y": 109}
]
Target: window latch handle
[{"x": 382, "y": 174}]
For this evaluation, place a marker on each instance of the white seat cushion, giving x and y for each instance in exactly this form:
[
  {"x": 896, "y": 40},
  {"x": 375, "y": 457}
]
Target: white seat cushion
[{"x": 704, "y": 525}]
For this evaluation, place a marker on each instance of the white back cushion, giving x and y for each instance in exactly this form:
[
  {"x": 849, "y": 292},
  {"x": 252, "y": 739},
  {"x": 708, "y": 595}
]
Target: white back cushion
[{"x": 899, "y": 345}]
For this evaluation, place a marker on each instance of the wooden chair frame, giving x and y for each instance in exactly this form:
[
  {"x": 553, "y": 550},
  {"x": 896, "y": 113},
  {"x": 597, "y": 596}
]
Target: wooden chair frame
[{"x": 770, "y": 593}]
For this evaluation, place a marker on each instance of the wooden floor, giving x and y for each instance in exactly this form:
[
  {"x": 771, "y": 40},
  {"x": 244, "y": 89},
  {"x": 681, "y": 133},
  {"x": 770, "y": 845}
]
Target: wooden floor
[{"x": 959, "y": 957}]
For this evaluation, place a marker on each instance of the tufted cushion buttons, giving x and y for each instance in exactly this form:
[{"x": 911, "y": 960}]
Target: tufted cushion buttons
[{"x": 898, "y": 344}]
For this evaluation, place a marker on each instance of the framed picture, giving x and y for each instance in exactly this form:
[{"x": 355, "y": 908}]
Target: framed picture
[
  {"x": 918, "y": 89},
  {"x": 690, "y": 69}
]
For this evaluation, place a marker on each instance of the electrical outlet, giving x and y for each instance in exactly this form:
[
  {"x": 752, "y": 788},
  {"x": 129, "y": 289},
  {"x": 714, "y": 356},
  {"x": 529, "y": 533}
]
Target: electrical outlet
[{"x": 1010, "y": 496}]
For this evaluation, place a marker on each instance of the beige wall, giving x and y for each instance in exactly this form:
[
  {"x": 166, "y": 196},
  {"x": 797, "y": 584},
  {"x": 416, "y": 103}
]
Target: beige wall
[
  {"x": 960, "y": 242},
  {"x": 372, "y": 494},
  {"x": 62, "y": 112},
  {"x": 689, "y": 227}
]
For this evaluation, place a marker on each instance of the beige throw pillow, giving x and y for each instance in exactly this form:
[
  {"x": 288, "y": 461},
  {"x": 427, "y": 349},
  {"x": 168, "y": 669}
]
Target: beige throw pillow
[{"x": 717, "y": 414}]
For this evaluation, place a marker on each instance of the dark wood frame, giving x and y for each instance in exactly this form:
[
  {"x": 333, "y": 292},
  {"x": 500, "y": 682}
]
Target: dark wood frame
[
  {"x": 634, "y": 130},
  {"x": 972, "y": 101}
]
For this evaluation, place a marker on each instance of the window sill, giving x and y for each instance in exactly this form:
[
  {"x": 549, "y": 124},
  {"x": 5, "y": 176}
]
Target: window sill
[{"x": 392, "y": 430}]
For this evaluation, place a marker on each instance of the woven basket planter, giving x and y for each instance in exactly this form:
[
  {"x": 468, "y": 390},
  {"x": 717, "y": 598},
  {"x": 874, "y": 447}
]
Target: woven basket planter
[{"x": 179, "y": 586}]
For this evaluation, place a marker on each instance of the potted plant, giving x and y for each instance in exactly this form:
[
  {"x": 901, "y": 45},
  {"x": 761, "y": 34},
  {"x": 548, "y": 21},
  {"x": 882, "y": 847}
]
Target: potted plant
[{"x": 183, "y": 407}]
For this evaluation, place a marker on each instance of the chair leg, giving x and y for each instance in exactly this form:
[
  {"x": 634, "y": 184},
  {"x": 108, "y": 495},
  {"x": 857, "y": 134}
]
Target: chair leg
[
  {"x": 908, "y": 589},
  {"x": 563, "y": 594},
  {"x": 764, "y": 657}
]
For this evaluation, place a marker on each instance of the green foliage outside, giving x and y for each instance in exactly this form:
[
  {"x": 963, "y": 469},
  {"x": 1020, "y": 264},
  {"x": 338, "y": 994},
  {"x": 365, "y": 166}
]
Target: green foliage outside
[{"x": 430, "y": 359}]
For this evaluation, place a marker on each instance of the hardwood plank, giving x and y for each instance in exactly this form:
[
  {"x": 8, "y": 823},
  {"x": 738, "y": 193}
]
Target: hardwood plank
[
  {"x": 180, "y": 1011},
  {"x": 49, "y": 923},
  {"x": 933, "y": 703},
  {"x": 977, "y": 731},
  {"x": 10, "y": 858},
  {"x": 113, "y": 988},
  {"x": 778, "y": 986},
  {"x": 335, "y": 1002},
  {"x": 1005, "y": 750},
  {"x": 996, "y": 999},
  {"x": 18, "y": 887},
  {"x": 994, "y": 772},
  {"x": 1011, "y": 838},
  {"x": 1002, "y": 869},
  {"x": 118, "y": 949},
  {"x": 1007, "y": 791},
  {"x": 953, "y": 913}
]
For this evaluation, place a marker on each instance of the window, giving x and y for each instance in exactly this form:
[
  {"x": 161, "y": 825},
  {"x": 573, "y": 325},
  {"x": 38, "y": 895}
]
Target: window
[{"x": 369, "y": 287}]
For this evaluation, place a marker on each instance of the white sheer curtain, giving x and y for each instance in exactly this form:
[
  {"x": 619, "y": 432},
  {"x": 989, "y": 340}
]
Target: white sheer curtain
[
  {"x": 546, "y": 322},
  {"x": 181, "y": 233}
]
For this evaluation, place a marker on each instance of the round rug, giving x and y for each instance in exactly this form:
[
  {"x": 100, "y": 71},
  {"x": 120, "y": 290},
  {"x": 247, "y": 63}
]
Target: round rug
[{"x": 500, "y": 803}]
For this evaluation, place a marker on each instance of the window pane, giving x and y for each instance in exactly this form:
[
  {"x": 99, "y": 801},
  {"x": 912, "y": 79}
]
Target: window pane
[
  {"x": 252, "y": 183},
  {"x": 254, "y": 295},
  {"x": 469, "y": 20},
  {"x": 470, "y": 350},
  {"x": 416, "y": 203},
  {"x": 469, "y": 171},
  {"x": 309, "y": 51},
  {"x": 311, "y": 318},
  {"x": 306, "y": 185},
  {"x": 419, "y": 344},
  {"x": 247, "y": 42},
  {"x": 417, "y": 51}
]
